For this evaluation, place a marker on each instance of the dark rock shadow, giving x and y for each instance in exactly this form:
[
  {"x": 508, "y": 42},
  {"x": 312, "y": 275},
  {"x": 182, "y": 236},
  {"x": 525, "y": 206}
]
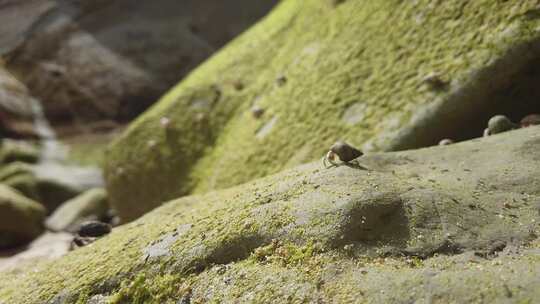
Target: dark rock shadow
[
  {"x": 377, "y": 224},
  {"x": 508, "y": 86}
]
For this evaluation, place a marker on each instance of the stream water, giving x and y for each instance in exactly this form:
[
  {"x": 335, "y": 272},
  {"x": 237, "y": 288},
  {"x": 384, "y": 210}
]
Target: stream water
[
  {"x": 53, "y": 157},
  {"x": 51, "y": 149}
]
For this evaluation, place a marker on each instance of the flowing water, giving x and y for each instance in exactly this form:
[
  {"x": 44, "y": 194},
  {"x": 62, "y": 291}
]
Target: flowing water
[
  {"x": 53, "y": 156},
  {"x": 51, "y": 149}
]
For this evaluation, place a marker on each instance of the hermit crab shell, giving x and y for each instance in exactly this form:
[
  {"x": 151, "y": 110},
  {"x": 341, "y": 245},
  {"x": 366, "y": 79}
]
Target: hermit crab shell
[
  {"x": 500, "y": 123},
  {"x": 345, "y": 152}
]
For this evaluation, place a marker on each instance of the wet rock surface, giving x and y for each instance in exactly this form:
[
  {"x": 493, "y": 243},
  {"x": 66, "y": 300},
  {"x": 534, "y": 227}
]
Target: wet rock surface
[{"x": 442, "y": 222}]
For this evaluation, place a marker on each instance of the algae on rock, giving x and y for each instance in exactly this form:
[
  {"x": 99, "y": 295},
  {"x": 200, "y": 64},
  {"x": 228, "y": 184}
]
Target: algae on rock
[
  {"x": 356, "y": 72},
  {"x": 49, "y": 192},
  {"x": 20, "y": 218},
  {"x": 13, "y": 151},
  {"x": 436, "y": 223}
]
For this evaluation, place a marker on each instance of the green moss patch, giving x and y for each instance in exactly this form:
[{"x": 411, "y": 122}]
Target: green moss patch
[
  {"x": 358, "y": 71},
  {"x": 457, "y": 222}
]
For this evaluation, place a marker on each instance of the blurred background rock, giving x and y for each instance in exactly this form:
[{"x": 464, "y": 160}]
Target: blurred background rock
[
  {"x": 94, "y": 64},
  {"x": 72, "y": 74}
]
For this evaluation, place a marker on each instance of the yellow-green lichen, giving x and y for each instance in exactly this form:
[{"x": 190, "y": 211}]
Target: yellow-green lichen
[
  {"x": 87, "y": 149},
  {"x": 368, "y": 58},
  {"x": 354, "y": 237}
]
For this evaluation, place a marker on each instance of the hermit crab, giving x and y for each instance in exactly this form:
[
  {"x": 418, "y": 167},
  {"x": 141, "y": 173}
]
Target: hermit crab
[
  {"x": 499, "y": 124},
  {"x": 342, "y": 151}
]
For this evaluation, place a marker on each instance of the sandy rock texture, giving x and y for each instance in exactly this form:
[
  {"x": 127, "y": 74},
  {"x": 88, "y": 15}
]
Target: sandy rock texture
[{"x": 455, "y": 223}]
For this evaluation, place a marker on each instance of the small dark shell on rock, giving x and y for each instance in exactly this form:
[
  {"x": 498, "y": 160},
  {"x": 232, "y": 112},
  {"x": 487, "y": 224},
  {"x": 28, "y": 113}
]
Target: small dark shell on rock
[
  {"x": 435, "y": 81},
  {"x": 500, "y": 123},
  {"x": 336, "y": 2},
  {"x": 257, "y": 111},
  {"x": 93, "y": 229},
  {"x": 281, "y": 80},
  {"x": 345, "y": 152},
  {"x": 238, "y": 85},
  {"x": 530, "y": 120}
]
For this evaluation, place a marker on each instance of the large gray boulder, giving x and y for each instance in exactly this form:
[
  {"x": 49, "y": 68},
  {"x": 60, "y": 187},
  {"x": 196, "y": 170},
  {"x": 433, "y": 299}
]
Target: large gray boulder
[
  {"x": 453, "y": 224},
  {"x": 109, "y": 60},
  {"x": 21, "y": 219}
]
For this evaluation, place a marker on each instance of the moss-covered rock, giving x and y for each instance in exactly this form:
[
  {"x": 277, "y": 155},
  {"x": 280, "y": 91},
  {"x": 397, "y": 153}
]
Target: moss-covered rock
[
  {"x": 16, "y": 113},
  {"x": 53, "y": 193},
  {"x": 88, "y": 149},
  {"x": 19, "y": 176},
  {"x": 48, "y": 191},
  {"x": 382, "y": 74},
  {"x": 12, "y": 151},
  {"x": 456, "y": 223},
  {"x": 20, "y": 218}
]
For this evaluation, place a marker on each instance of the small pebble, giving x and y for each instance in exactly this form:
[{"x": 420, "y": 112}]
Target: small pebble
[
  {"x": 112, "y": 218},
  {"x": 120, "y": 171},
  {"x": 199, "y": 117},
  {"x": 281, "y": 80},
  {"x": 80, "y": 241},
  {"x": 434, "y": 80},
  {"x": 238, "y": 85},
  {"x": 257, "y": 111},
  {"x": 530, "y": 120},
  {"x": 446, "y": 142},
  {"x": 164, "y": 122}
]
